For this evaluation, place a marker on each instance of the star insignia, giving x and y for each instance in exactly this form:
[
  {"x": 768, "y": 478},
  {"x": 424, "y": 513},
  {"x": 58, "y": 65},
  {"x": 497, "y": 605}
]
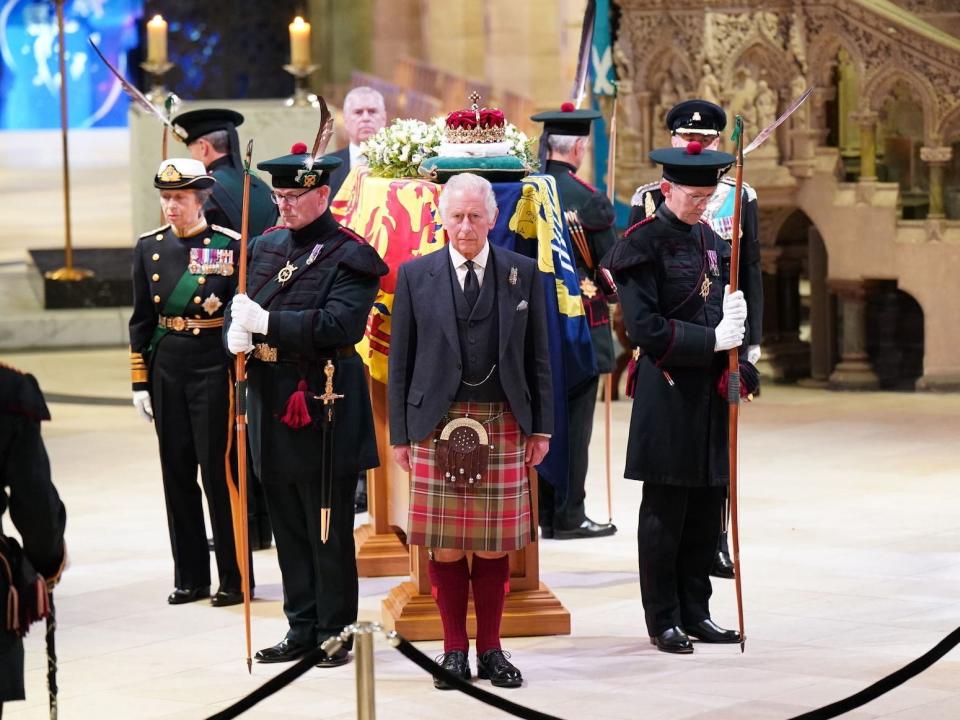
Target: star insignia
[{"x": 212, "y": 304}]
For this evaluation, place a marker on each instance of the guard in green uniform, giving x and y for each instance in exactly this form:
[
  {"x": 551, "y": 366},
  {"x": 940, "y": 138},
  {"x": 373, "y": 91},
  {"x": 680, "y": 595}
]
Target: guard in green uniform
[
  {"x": 312, "y": 284},
  {"x": 183, "y": 276},
  {"x": 212, "y": 139},
  {"x": 590, "y": 217}
]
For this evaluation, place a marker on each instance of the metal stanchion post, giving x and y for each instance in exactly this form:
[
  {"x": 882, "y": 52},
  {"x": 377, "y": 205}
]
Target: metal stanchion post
[{"x": 366, "y": 695}]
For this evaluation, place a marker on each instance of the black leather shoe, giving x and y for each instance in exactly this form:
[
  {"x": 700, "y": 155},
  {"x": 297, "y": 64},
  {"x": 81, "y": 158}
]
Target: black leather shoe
[
  {"x": 587, "y": 529},
  {"x": 340, "y": 657},
  {"x": 187, "y": 595},
  {"x": 284, "y": 651},
  {"x": 709, "y": 632},
  {"x": 494, "y": 666},
  {"x": 722, "y": 566},
  {"x": 672, "y": 640},
  {"x": 225, "y": 598},
  {"x": 546, "y": 532},
  {"x": 454, "y": 662}
]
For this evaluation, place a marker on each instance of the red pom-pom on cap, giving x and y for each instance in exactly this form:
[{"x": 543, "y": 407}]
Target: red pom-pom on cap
[
  {"x": 567, "y": 107},
  {"x": 298, "y": 148},
  {"x": 694, "y": 148}
]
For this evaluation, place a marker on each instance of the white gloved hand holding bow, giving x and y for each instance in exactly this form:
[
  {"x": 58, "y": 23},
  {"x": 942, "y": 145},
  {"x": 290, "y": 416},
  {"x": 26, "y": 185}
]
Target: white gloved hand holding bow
[
  {"x": 249, "y": 315},
  {"x": 729, "y": 333},
  {"x": 141, "y": 401},
  {"x": 239, "y": 339}
]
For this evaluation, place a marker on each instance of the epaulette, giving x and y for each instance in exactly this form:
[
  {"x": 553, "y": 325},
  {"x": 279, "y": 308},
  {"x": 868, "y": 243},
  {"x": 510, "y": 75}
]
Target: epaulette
[
  {"x": 272, "y": 228},
  {"x": 226, "y": 231},
  {"x": 638, "y": 193},
  {"x": 638, "y": 224},
  {"x": 356, "y": 236},
  {"x": 747, "y": 188},
  {"x": 162, "y": 228},
  {"x": 583, "y": 182}
]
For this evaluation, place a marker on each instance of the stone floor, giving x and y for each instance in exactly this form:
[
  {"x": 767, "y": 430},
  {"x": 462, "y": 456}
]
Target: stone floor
[{"x": 851, "y": 557}]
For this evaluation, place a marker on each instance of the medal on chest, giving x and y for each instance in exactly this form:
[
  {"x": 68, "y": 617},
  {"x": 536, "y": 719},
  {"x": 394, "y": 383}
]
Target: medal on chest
[
  {"x": 211, "y": 261},
  {"x": 286, "y": 272}
]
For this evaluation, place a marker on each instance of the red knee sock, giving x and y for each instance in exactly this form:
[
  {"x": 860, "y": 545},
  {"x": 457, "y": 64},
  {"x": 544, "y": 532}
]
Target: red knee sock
[
  {"x": 491, "y": 580},
  {"x": 450, "y": 585}
]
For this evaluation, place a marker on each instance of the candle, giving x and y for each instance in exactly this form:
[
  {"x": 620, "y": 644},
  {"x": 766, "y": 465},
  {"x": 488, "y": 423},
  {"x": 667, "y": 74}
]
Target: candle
[
  {"x": 157, "y": 40},
  {"x": 299, "y": 42}
]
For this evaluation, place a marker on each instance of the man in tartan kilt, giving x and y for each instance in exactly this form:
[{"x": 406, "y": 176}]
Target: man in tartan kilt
[{"x": 471, "y": 411}]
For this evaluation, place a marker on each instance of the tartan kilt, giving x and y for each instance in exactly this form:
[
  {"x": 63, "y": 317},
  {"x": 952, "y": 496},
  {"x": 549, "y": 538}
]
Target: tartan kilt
[{"x": 492, "y": 516}]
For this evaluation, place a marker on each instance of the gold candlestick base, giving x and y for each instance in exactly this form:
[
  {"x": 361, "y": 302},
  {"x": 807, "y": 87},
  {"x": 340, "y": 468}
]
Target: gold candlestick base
[
  {"x": 69, "y": 274},
  {"x": 157, "y": 93},
  {"x": 301, "y": 97}
]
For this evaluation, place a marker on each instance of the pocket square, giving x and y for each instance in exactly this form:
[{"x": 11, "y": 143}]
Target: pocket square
[{"x": 521, "y": 306}]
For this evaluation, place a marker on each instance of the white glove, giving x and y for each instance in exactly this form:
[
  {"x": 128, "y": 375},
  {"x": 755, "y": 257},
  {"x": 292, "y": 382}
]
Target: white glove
[
  {"x": 729, "y": 333},
  {"x": 239, "y": 340},
  {"x": 753, "y": 354},
  {"x": 249, "y": 315},
  {"x": 141, "y": 401}
]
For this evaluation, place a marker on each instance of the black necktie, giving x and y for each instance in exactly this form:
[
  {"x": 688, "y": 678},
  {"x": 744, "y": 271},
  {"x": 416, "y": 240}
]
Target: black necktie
[{"x": 471, "y": 285}]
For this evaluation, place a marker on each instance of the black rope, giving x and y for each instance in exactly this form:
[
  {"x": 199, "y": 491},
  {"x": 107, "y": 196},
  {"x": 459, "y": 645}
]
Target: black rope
[
  {"x": 423, "y": 661},
  {"x": 272, "y": 685},
  {"x": 887, "y": 684}
]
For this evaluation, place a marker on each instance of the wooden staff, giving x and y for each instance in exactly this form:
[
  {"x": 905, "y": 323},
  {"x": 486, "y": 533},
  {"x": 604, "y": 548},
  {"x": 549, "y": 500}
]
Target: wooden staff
[
  {"x": 608, "y": 381},
  {"x": 733, "y": 385},
  {"x": 241, "y": 405}
]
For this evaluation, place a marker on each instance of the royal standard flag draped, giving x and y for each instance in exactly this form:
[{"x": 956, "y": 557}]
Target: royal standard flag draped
[{"x": 398, "y": 217}]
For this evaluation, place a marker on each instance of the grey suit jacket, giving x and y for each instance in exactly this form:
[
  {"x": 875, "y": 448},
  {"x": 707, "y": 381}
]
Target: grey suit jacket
[
  {"x": 425, "y": 368},
  {"x": 339, "y": 174}
]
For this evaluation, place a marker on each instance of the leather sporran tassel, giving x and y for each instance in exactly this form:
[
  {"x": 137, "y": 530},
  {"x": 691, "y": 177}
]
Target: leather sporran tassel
[
  {"x": 463, "y": 452},
  {"x": 296, "y": 413}
]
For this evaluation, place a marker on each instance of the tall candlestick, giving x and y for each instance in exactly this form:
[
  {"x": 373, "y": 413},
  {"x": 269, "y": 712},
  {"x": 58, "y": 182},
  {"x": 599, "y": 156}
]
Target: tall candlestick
[
  {"x": 157, "y": 40},
  {"x": 299, "y": 42}
]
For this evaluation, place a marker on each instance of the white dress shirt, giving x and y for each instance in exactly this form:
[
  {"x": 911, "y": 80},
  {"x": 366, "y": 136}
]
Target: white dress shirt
[
  {"x": 356, "y": 158},
  {"x": 479, "y": 264}
]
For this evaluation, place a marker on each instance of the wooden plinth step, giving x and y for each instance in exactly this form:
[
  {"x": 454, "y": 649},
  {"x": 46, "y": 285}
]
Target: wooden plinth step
[
  {"x": 526, "y": 613},
  {"x": 380, "y": 555}
]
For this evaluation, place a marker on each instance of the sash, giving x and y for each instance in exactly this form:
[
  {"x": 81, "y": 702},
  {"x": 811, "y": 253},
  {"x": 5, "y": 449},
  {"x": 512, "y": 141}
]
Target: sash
[
  {"x": 273, "y": 287},
  {"x": 185, "y": 289}
]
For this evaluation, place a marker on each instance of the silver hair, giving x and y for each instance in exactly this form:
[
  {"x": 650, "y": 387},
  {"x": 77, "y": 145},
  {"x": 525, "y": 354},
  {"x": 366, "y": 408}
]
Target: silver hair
[
  {"x": 219, "y": 140},
  {"x": 203, "y": 195},
  {"x": 361, "y": 91},
  {"x": 468, "y": 182},
  {"x": 563, "y": 144}
]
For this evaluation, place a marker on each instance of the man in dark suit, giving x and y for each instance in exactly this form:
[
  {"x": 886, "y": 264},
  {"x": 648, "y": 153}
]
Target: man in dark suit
[
  {"x": 364, "y": 115},
  {"x": 471, "y": 412},
  {"x": 590, "y": 216},
  {"x": 312, "y": 284},
  {"x": 37, "y": 514}
]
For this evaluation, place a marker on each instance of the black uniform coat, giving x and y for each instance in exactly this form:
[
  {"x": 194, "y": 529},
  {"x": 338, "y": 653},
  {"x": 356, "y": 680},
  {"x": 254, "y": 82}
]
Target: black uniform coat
[
  {"x": 425, "y": 364},
  {"x": 224, "y": 207},
  {"x": 35, "y": 507},
  {"x": 678, "y": 429},
  {"x": 322, "y": 308},
  {"x": 597, "y": 217},
  {"x": 648, "y": 197}
]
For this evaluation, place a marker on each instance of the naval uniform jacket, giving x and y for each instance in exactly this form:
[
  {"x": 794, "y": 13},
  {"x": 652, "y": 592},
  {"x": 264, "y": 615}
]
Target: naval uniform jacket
[
  {"x": 596, "y": 217},
  {"x": 648, "y": 198},
  {"x": 678, "y": 425},
  {"x": 319, "y": 313}
]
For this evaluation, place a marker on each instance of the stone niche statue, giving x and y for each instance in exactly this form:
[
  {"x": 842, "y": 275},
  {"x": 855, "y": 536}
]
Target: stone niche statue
[
  {"x": 766, "y": 113},
  {"x": 669, "y": 96},
  {"x": 709, "y": 85}
]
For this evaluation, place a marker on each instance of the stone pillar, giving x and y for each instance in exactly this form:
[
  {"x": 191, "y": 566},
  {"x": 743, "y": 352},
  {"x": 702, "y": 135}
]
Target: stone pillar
[
  {"x": 936, "y": 159},
  {"x": 868, "y": 145},
  {"x": 821, "y": 306},
  {"x": 854, "y": 371}
]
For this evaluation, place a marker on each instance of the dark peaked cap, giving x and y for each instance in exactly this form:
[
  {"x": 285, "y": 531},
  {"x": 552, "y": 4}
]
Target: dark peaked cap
[
  {"x": 692, "y": 165},
  {"x": 696, "y": 116}
]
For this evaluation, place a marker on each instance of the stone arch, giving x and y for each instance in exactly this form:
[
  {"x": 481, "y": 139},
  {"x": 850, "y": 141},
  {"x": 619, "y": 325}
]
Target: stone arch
[
  {"x": 772, "y": 63},
  {"x": 949, "y": 126},
  {"x": 895, "y": 335},
  {"x": 878, "y": 88},
  {"x": 822, "y": 58}
]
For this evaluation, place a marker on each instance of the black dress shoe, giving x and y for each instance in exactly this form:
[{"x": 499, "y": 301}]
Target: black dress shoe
[
  {"x": 187, "y": 595},
  {"x": 709, "y": 632},
  {"x": 494, "y": 666},
  {"x": 340, "y": 657},
  {"x": 225, "y": 598},
  {"x": 672, "y": 640},
  {"x": 284, "y": 651},
  {"x": 587, "y": 529},
  {"x": 722, "y": 566},
  {"x": 454, "y": 662}
]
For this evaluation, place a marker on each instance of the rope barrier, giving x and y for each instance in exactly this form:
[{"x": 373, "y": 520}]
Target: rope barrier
[{"x": 418, "y": 658}]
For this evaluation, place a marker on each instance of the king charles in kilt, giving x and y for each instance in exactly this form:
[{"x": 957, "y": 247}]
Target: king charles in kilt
[
  {"x": 312, "y": 283},
  {"x": 470, "y": 413},
  {"x": 670, "y": 272}
]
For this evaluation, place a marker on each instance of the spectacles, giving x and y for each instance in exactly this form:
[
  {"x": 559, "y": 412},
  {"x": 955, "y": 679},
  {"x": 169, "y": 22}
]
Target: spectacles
[
  {"x": 291, "y": 199},
  {"x": 697, "y": 199}
]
